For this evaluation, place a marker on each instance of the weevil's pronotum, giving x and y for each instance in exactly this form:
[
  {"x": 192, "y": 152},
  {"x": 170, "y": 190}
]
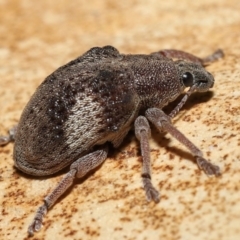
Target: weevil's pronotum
[{"x": 94, "y": 100}]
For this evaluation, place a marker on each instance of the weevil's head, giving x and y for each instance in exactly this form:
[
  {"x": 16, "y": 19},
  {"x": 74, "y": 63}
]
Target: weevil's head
[{"x": 194, "y": 75}]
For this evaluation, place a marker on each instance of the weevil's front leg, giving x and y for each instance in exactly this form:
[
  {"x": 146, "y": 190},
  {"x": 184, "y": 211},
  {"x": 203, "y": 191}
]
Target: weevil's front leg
[
  {"x": 178, "y": 54},
  {"x": 142, "y": 132},
  {"x": 162, "y": 122},
  {"x": 77, "y": 170},
  {"x": 10, "y": 138}
]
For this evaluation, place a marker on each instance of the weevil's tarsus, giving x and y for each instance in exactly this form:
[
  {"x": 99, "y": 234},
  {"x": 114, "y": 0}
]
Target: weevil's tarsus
[
  {"x": 4, "y": 140},
  {"x": 207, "y": 167},
  {"x": 150, "y": 190},
  {"x": 36, "y": 224},
  {"x": 162, "y": 122},
  {"x": 77, "y": 170},
  {"x": 143, "y": 132},
  {"x": 9, "y": 138}
]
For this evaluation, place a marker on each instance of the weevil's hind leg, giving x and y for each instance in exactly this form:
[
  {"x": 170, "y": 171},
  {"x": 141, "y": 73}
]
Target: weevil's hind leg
[
  {"x": 178, "y": 54},
  {"x": 142, "y": 132},
  {"x": 163, "y": 123},
  {"x": 10, "y": 138},
  {"x": 77, "y": 170}
]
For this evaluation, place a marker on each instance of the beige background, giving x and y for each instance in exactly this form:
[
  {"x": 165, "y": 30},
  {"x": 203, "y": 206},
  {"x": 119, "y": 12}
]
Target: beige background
[{"x": 36, "y": 37}]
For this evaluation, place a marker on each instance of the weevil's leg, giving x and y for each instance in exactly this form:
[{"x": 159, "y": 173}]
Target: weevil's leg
[
  {"x": 143, "y": 132},
  {"x": 213, "y": 57},
  {"x": 176, "y": 110},
  {"x": 77, "y": 170},
  {"x": 178, "y": 54},
  {"x": 163, "y": 123},
  {"x": 10, "y": 138}
]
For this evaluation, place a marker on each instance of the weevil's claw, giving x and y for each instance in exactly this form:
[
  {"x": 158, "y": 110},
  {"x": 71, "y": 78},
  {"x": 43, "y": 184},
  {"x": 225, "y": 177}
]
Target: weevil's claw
[
  {"x": 4, "y": 140},
  {"x": 36, "y": 224},
  {"x": 151, "y": 192},
  {"x": 10, "y": 138},
  {"x": 207, "y": 167},
  {"x": 34, "y": 227}
]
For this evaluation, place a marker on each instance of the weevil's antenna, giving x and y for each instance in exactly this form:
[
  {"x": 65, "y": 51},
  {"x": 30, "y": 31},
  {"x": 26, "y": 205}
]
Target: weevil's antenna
[{"x": 176, "y": 110}]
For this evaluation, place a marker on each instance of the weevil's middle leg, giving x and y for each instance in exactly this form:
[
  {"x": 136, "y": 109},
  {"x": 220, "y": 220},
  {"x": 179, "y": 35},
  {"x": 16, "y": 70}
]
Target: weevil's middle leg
[
  {"x": 142, "y": 132},
  {"x": 162, "y": 122},
  {"x": 78, "y": 169}
]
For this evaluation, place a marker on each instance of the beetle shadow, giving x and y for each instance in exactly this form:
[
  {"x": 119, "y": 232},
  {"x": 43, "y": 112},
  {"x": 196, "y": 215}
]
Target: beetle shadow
[
  {"x": 124, "y": 146},
  {"x": 160, "y": 138},
  {"x": 193, "y": 100},
  {"x": 63, "y": 172},
  {"x": 163, "y": 142}
]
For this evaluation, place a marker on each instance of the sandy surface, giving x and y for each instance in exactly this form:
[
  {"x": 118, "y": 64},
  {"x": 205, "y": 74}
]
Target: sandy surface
[{"x": 37, "y": 37}]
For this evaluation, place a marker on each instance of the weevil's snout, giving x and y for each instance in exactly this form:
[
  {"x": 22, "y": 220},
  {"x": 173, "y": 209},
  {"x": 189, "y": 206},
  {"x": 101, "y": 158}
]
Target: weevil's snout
[
  {"x": 194, "y": 75},
  {"x": 204, "y": 81},
  {"x": 198, "y": 80},
  {"x": 212, "y": 81}
]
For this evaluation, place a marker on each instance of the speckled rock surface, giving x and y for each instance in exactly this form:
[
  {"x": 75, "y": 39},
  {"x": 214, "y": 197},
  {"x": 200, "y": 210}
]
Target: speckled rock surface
[{"x": 38, "y": 37}]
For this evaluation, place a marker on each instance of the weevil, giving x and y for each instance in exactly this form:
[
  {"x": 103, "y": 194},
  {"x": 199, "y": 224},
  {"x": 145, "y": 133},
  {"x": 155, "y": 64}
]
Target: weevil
[{"x": 95, "y": 100}]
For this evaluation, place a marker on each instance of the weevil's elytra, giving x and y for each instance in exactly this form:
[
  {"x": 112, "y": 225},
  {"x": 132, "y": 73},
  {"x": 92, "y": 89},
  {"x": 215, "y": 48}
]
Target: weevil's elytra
[{"x": 95, "y": 100}]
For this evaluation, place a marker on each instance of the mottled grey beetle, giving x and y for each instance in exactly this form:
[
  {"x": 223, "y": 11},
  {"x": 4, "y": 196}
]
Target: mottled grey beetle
[{"x": 94, "y": 100}]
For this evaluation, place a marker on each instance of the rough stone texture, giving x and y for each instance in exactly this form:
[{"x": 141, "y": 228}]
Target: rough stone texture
[{"x": 38, "y": 37}]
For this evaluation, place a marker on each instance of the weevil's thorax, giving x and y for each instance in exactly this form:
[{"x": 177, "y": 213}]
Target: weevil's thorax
[{"x": 157, "y": 82}]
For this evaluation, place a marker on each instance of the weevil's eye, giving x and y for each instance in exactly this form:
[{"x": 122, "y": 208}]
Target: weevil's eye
[{"x": 187, "y": 78}]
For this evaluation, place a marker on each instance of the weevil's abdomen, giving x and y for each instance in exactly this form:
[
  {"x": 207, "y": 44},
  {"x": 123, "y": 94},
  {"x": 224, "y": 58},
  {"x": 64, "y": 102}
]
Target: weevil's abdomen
[
  {"x": 44, "y": 146},
  {"x": 73, "y": 110},
  {"x": 40, "y": 144}
]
